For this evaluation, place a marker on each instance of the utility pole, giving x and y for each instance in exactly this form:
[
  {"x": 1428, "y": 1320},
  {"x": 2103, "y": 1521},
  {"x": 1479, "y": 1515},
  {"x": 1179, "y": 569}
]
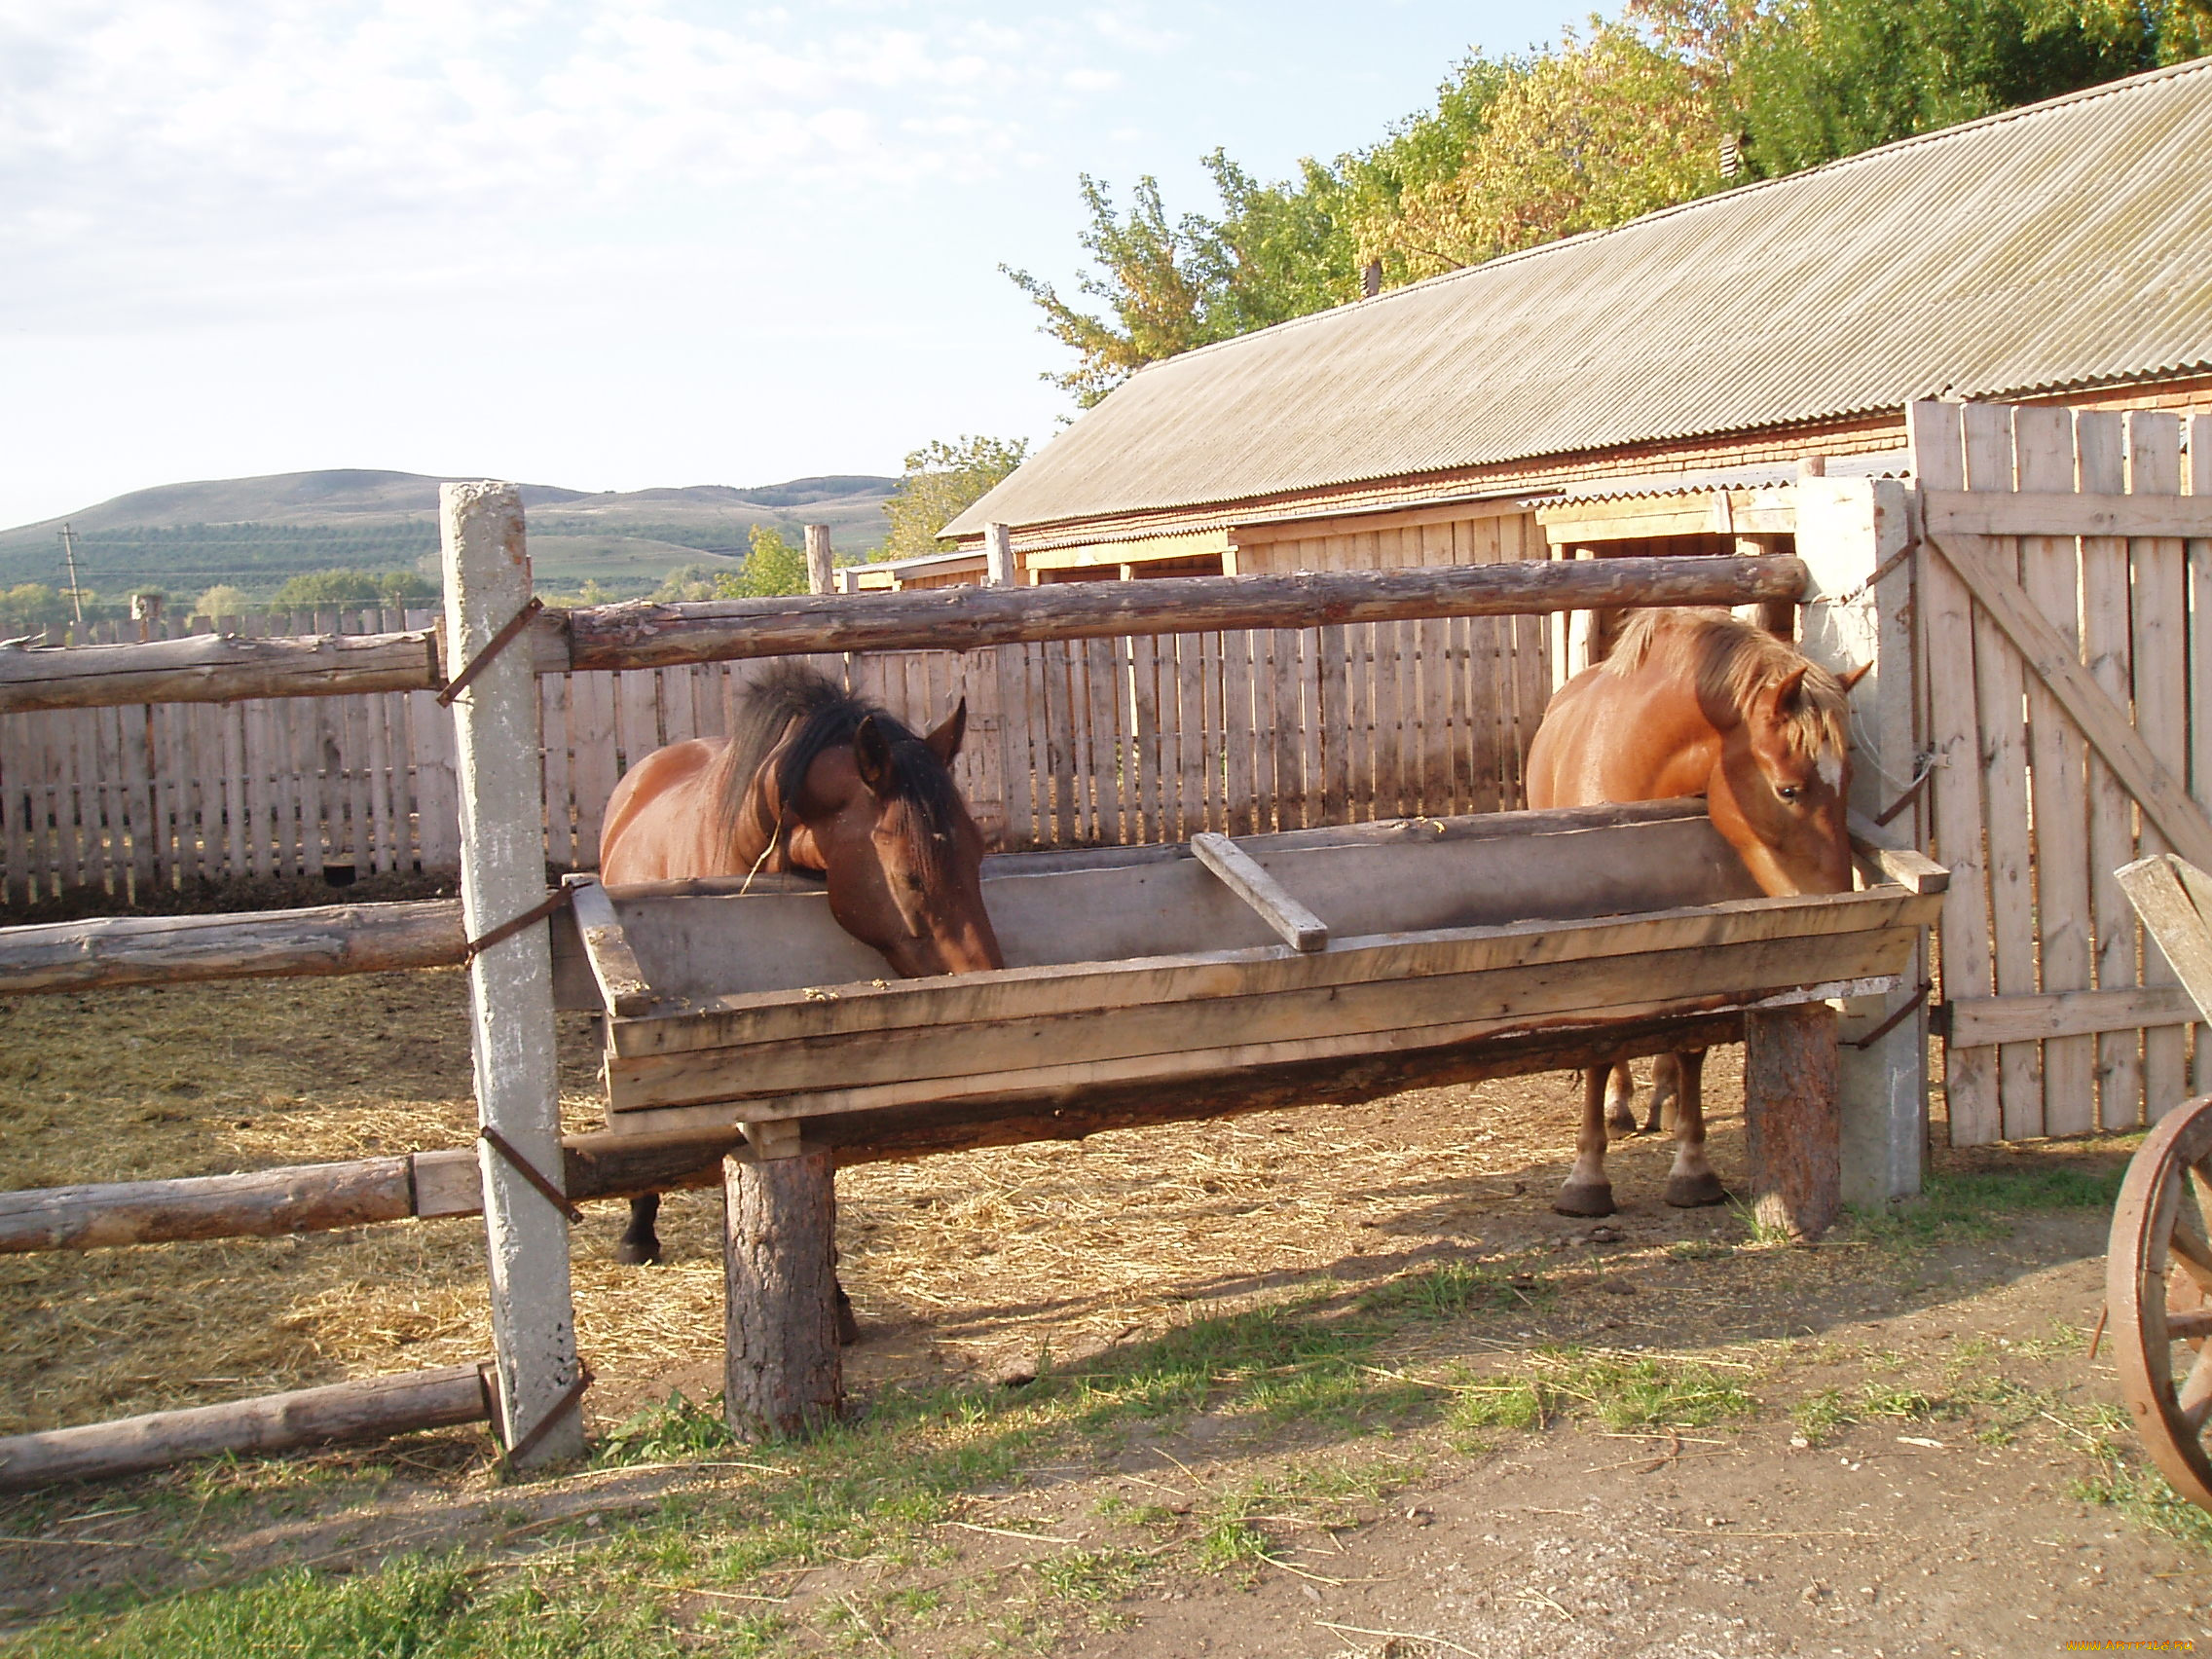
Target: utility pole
[{"x": 69, "y": 558}]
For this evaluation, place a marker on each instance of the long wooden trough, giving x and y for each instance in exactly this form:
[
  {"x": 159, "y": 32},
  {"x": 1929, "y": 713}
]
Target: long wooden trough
[{"x": 1147, "y": 966}]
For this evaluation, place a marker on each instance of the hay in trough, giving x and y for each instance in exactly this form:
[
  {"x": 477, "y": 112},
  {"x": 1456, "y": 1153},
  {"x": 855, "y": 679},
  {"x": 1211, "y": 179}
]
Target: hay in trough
[{"x": 963, "y": 1262}]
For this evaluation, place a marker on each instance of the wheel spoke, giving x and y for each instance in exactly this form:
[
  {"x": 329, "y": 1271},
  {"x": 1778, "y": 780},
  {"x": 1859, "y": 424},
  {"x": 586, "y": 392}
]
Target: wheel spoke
[
  {"x": 2188, "y": 1242},
  {"x": 2189, "y": 1327},
  {"x": 2195, "y": 1397}
]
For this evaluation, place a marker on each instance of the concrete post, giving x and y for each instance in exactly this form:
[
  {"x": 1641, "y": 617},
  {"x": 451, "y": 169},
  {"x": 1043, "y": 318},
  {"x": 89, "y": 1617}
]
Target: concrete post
[
  {"x": 502, "y": 876},
  {"x": 1847, "y": 530}
]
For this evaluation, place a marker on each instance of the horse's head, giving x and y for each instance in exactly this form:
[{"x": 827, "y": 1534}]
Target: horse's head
[
  {"x": 903, "y": 856},
  {"x": 1781, "y": 791}
]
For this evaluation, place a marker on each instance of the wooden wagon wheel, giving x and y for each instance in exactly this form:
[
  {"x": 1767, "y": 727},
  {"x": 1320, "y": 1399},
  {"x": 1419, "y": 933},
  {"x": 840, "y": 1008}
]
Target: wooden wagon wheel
[{"x": 2158, "y": 1294}]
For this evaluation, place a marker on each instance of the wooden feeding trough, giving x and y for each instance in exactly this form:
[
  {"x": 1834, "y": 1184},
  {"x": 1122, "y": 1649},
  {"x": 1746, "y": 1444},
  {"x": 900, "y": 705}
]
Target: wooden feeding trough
[{"x": 1152, "y": 983}]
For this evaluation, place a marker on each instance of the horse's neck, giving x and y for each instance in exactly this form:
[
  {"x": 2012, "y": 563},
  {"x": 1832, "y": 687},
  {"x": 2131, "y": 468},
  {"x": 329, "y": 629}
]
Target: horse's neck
[{"x": 1657, "y": 739}]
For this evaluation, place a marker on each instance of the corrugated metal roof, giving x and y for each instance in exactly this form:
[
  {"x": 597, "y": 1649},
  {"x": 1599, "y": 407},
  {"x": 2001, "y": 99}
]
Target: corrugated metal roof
[
  {"x": 2063, "y": 245},
  {"x": 1885, "y": 464}
]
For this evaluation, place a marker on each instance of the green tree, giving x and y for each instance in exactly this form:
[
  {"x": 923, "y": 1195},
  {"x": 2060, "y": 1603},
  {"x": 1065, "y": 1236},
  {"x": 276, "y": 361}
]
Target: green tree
[
  {"x": 1580, "y": 140},
  {"x": 1827, "y": 78},
  {"x": 221, "y": 600},
  {"x": 323, "y": 589},
  {"x": 775, "y": 565},
  {"x": 397, "y": 587},
  {"x": 29, "y": 607},
  {"x": 942, "y": 481}
]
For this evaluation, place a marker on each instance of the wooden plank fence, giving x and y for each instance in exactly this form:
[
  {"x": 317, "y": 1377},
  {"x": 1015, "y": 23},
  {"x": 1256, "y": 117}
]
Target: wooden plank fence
[
  {"x": 2064, "y": 1017},
  {"x": 1069, "y": 743}
]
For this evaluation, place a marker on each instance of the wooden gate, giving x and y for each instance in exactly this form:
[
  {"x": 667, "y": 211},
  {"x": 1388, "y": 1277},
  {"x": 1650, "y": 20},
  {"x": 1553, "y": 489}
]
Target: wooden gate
[{"x": 2063, "y": 646}]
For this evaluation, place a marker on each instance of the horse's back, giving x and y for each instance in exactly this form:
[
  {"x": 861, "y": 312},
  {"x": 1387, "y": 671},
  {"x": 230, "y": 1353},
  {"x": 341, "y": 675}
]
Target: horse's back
[
  {"x": 1566, "y": 757},
  {"x": 658, "y": 818}
]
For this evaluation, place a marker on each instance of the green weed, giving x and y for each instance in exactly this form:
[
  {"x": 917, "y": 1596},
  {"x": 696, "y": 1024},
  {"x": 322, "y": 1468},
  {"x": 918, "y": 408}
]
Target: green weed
[{"x": 667, "y": 1431}]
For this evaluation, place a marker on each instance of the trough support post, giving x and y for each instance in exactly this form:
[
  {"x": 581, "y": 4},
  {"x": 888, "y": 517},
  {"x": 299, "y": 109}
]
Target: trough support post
[
  {"x": 1790, "y": 1110},
  {"x": 502, "y": 876},
  {"x": 820, "y": 565},
  {"x": 785, "y": 1374},
  {"x": 1849, "y": 530}
]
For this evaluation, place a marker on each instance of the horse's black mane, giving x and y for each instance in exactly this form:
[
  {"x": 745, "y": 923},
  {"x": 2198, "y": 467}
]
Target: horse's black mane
[{"x": 831, "y": 716}]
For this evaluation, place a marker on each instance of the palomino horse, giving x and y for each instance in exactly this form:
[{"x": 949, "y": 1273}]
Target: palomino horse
[
  {"x": 1699, "y": 703},
  {"x": 818, "y": 783}
]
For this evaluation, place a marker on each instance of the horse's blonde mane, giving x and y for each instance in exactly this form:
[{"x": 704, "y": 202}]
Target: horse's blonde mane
[{"x": 1732, "y": 661}]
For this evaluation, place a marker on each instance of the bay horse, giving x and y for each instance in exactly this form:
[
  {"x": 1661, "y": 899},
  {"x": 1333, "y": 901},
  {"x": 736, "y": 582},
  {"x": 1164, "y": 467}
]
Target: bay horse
[
  {"x": 1697, "y": 702},
  {"x": 816, "y": 782}
]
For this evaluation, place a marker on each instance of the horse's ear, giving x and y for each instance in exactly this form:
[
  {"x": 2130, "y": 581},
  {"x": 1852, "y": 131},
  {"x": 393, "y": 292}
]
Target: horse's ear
[
  {"x": 871, "y": 755},
  {"x": 945, "y": 742},
  {"x": 1847, "y": 681},
  {"x": 1783, "y": 693}
]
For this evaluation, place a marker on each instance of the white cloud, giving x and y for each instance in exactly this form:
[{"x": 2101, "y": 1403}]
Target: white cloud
[{"x": 213, "y": 129}]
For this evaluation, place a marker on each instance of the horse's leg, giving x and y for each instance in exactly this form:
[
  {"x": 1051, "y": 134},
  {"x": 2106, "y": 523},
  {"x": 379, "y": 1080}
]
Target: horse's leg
[
  {"x": 640, "y": 1243},
  {"x": 1691, "y": 1182},
  {"x": 1620, "y": 1099},
  {"x": 1666, "y": 1089},
  {"x": 1587, "y": 1191}
]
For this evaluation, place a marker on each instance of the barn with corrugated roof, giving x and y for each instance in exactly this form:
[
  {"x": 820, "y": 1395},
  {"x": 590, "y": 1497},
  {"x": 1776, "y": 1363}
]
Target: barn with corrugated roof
[{"x": 1658, "y": 386}]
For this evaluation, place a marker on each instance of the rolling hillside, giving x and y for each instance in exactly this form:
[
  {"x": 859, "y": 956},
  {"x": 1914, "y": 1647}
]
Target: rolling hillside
[{"x": 256, "y": 533}]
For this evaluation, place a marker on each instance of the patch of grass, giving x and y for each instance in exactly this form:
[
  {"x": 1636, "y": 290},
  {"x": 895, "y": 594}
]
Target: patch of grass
[
  {"x": 1969, "y": 1206},
  {"x": 2142, "y": 1497},
  {"x": 1516, "y": 1402},
  {"x": 1909, "y": 1404},
  {"x": 1451, "y": 1290},
  {"x": 1762, "y": 1234},
  {"x": 1820, "y": 1417},
  {"x": 406, "y": 1610},
  {"x": 1622, "y": 1392},
  {"x": 1232, "y": 1543},
  {"x": 1093, "y": 1577}
]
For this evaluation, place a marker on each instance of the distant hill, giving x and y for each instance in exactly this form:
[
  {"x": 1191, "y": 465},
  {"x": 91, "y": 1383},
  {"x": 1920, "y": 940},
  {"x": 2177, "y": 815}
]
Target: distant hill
[{"x": 256, "y": 533}]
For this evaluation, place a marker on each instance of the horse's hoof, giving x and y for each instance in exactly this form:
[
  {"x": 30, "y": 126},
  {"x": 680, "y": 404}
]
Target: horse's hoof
[
  {"x": 1594, "y": 1198},
  {"x": 1657, "y": 1126},
  {"x": 1620, "y": 1125},
  {"x": 632, "y": 1253},
  {"x": 1689, "y": 1192},
  {"x": 848, "y": 1327}
]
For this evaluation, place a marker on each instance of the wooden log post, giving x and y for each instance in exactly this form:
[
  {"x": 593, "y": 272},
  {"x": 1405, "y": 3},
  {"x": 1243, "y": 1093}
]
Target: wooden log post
[
  {"x": 998, "y": 556},
  {"x": 785, "y": 1372},
  {"x": 821, "y": 565},
  {"x": 1790, "y": 1108},
  {"x": 369, "y": 1408},
  {"x": 1853, "y": 534},
  {"x": 502, "y": 876}
]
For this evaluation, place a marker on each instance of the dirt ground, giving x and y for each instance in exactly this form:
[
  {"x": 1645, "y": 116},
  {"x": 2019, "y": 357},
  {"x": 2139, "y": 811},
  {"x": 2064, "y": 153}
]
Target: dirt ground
[{"x": 1925, "y": 1460}]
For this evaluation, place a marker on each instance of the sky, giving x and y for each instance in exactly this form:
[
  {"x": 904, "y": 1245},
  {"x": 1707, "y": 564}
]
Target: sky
[{"x": 607, "y": 243}]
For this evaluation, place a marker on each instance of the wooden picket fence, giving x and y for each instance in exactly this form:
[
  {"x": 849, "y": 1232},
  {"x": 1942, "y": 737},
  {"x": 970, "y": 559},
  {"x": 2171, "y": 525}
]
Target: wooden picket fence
[{"x": 1069, "y": 743}]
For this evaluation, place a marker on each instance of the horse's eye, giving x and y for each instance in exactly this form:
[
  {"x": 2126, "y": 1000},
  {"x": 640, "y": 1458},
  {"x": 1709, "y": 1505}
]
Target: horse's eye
[{"x": 1789, "y": 791}]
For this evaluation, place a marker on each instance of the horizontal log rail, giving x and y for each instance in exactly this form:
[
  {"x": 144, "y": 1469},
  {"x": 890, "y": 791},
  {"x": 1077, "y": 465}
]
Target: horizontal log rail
[
  {"x": 221, "y": 667},
  {"x": 216, "y": 668},
  {"x": 369, "y": 1408},
  {"x": 320, "y": 1197},
  {"x": 158, "y": 950},
  {"x": 963, "y": 618}
]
